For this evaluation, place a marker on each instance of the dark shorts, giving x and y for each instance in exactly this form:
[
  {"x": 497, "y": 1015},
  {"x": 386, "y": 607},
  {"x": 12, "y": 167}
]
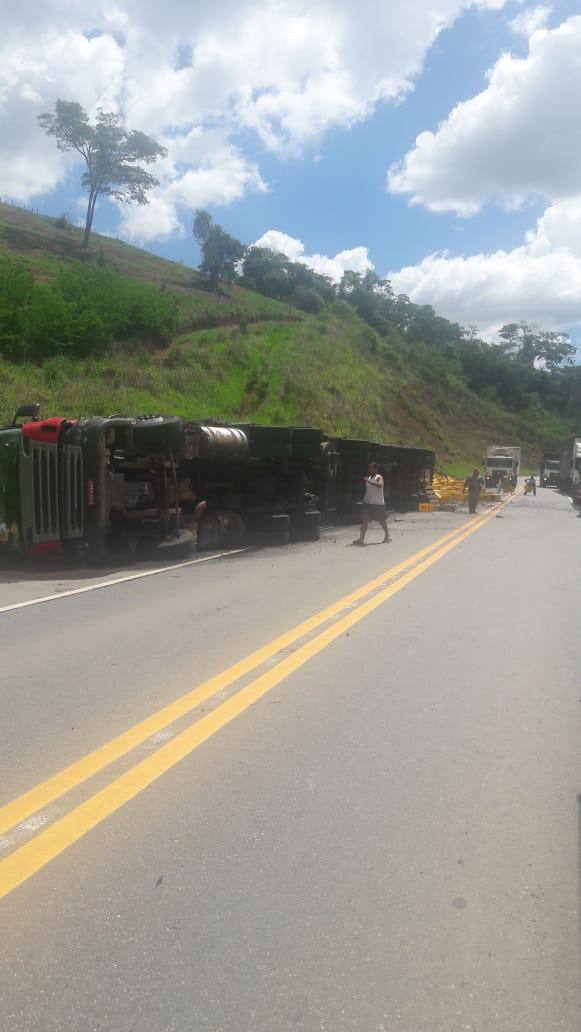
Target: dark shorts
[{"x": 373, "y": 512}]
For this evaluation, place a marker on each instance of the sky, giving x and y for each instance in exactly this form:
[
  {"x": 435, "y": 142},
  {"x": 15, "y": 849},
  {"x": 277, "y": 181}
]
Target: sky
[{"x": 438, "y": 141}]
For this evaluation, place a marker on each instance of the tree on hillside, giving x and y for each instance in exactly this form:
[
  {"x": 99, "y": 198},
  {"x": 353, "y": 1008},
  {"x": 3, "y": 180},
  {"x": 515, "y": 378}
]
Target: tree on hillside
[
  {"x": 528, "y": 343},
  {"x": 203, "y": 225},
  {"x": 267, "y": 272},
  {"x": 273, "y": 274},
  {"x": 114, "y": 155},
  {"x": 220, "y": 251},
  {"x": 371, "y": 297}
]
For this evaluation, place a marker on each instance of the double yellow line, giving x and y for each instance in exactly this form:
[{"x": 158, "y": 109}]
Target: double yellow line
[{"x": 54, "y": 839}]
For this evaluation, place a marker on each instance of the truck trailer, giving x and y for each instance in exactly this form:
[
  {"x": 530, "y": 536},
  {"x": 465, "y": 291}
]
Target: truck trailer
[
  {"x": 570, "y": 468},
  {"x": 502, "y": 460}
]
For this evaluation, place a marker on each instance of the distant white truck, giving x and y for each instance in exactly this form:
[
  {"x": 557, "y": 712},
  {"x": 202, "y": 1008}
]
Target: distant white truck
[{"x": 502, "y": 460}]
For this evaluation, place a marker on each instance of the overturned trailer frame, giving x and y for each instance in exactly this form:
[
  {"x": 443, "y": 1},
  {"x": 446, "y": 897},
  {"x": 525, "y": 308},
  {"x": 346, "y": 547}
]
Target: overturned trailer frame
[
  {"x": 100, "y": 488},
  {"x": 257, "y": 482},
  {"x": 407, "y": 473}
]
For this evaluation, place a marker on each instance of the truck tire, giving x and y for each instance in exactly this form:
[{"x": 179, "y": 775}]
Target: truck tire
[{"x": 159, "y": 434}]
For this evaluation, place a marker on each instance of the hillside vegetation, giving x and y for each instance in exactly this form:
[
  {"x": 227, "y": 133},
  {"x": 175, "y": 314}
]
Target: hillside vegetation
[{"x": 124, "y": 331}]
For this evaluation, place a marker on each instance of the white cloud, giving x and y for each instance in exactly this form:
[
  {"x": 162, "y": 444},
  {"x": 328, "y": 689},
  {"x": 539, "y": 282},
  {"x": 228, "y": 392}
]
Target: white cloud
[
  {"x": 530, "y": 20},
  {"x": 518, "y": 139},
  {"x": 201, "y": 169},
  {"x": 539, "y": 281},
  {"x": 157, "y": 221},
  {"x": 32, "y": 76},
  {"x": 356, "y": 259},
  {"x": 287, "y": 70},
  {"x": 559, "y": 226},
  {"x": 282, "y": 243}
]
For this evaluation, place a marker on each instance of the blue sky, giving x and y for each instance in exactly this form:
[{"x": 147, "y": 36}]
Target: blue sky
[
  {"x": 341, "y": 201},
  {"x": 336, "y": 198},
  {"x": 325, "y": 185}
]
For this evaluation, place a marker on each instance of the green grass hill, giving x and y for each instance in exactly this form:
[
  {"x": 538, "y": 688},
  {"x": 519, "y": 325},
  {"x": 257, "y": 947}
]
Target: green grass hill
[{"x": 120, "y": 330}]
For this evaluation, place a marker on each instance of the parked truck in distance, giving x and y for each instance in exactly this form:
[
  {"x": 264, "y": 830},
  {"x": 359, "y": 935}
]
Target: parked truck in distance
[
  {"x": 570, "y": 468},
  {"x": 549, "y": 471},
  {"x": 502, "y": 460}
]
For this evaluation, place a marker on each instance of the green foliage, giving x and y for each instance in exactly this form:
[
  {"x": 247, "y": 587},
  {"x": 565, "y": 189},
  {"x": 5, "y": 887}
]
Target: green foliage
[
  {"x": 357, "y": 359},
  {"x": 81, "y": 311},
  {"x": 276, "y": 276},
  {"x": 16, "y": 291},
  {"x": 528, "y": 343},
  {"x": 220, "y": 251},
  {"x": 308, "y": 300}
]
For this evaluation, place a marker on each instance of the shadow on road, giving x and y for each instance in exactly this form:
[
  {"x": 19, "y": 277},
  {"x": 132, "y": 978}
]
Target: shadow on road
[{"x": 14, "y": 571}]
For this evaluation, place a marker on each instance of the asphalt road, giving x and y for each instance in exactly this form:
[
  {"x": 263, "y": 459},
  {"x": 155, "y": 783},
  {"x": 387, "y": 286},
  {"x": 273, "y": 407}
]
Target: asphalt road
[{"x": 371, "y": 822}]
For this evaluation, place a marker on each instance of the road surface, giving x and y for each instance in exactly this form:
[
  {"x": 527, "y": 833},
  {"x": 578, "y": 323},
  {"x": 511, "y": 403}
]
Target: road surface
[{"x": 313, "y": 788}]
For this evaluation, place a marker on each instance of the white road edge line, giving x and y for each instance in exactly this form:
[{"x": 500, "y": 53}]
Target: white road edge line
[{"x": 119, "y": 580}]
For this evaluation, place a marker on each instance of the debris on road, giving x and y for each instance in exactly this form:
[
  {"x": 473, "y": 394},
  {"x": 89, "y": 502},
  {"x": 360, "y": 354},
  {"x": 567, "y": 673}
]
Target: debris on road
[{"x": 450, "y": 492}]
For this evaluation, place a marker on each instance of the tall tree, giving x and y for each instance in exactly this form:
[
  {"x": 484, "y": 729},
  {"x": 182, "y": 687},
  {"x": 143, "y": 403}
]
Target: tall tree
[
  {"x": 220, "y": 251},
  {"x": 528, "y": 343},
  {"x": 203, "y": 225},
  {"x": 114, "y": 156}
]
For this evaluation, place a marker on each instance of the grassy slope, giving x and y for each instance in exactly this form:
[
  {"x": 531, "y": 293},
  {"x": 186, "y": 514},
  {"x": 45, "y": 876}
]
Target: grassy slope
[{"x": 245, "y": 356}]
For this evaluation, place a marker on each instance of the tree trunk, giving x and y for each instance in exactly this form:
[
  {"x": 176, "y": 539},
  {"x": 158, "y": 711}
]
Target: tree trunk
[{"x": 89, "y": 219}]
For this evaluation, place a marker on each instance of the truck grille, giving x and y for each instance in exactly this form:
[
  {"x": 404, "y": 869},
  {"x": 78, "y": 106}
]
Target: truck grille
[
  {"x": 44, "y": 492},
  {"x": 52, "y": 492},
  {"x": 72, "y": 491}
]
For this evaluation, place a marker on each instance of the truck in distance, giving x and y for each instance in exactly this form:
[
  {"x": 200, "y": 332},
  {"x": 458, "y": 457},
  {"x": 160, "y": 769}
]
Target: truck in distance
[
  {"x": 549, "y": 471},
  {"x": 502, "y": 460}
]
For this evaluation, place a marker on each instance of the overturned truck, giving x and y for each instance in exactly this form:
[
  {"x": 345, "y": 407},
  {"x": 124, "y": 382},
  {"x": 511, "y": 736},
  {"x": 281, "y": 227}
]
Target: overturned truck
[
  {"x": 90, "y": 489},
  {"x": 98, "y": 490}
]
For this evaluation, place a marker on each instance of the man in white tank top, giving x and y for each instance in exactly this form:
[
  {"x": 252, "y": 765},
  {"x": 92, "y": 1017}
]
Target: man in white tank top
[{"x": 373, "y": 507}]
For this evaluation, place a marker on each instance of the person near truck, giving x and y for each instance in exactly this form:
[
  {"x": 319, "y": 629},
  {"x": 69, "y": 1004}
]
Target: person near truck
[
  {"x": 373, "y": 507},
  {"x": 473, "y": 484},
  {"x": 531, "y": 485}
]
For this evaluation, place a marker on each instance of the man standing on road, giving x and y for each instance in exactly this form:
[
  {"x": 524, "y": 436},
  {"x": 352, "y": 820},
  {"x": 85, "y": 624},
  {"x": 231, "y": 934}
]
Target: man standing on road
[
  {"x": 473, "y": 484},
  {"x": 373, "y": 507}
]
